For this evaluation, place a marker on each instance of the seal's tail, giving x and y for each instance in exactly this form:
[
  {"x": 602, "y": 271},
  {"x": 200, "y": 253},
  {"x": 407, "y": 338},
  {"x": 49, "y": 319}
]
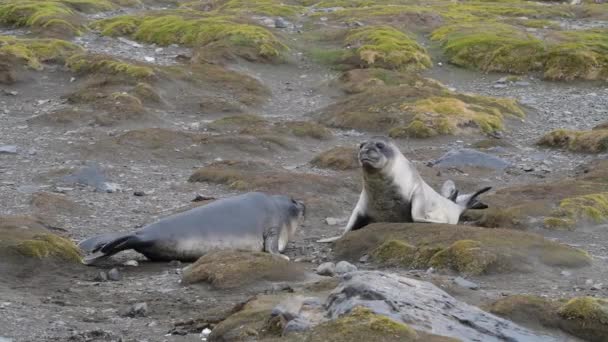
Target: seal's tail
[{"x": 102, "y": 246}]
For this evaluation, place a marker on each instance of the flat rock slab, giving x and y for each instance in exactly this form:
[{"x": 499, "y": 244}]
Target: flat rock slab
[
  {"x": 472, "y": 158},
  {"x": 424, "y": 307}
]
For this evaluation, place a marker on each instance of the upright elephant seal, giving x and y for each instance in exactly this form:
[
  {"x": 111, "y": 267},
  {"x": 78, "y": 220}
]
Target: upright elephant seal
[
  {"x": 252, "y": 221},
  {"x": 393, "y": 191}
]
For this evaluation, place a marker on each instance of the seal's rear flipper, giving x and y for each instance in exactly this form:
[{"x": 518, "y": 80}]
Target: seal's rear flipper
[
  {"x": 103, "y": 246},
  {"x": 474, "y": 203}
]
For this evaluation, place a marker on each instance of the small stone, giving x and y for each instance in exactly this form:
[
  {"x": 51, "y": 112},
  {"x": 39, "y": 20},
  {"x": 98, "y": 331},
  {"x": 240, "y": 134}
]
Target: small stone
[
  {"x": 206, "y": 332},
  {"x": 296, "y": 325},
  {"x": 152, "y": 324},
  {"x": 8, "y": 149},
  {"x": 589, "y": 282},
  {"x": 333, "y": 221},
  {"x": 527, "y": 168},
  {"x": 364, "y": 259},
  {"x": 63, "y": 189},
  {"x": 158, "y": 50},
  {"x": 345, "y": 267},
  {"x": 138, "y": 310},
  {"x": 460, "y": 281},
  {"x": 327, "y": 269},
  {"x": 149, "y": 59},
  {"x": 11, "y": 92},
  {"x": 501, "y": 80},
  {"x": 565, "y": 273},
  {"x": 139, "y": 193},
  {"x": 268, "y": 22},
  {"x": 499, "y": 86},
  {"x": 597, "y": 287},
  {"x": 200, "y": 198},
  {"x": 114, "y": 275},
  {"x": 73, "y": 79},
  {"x": 175, "y": 263},
  {"x": 280, "y": 23},
  {"x": 110, "y": 187},
  {"x": 132, "y": 263},
  {"x": 101, "y": 276}
]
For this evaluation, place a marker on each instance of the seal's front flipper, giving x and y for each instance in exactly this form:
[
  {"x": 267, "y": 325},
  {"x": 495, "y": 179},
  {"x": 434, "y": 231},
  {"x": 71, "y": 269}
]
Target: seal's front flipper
[
  {"x": 272, "y": 238},
  {"x": 331, "y": 239}
]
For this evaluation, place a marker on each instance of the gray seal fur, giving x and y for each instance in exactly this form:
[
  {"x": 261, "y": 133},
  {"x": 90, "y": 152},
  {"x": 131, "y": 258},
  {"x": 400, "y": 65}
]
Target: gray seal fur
[
  {"x": 394, "y": 191},
  {"x": 253, "y": 221}
]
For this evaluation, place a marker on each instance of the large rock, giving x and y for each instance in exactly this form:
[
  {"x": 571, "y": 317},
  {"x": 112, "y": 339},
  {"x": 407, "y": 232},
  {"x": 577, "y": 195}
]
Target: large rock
[
  {"x": 465, "y": 249},
  {"x": 368, "y": 306},
  {"x": 230, "y": 269},
  {"x": 24, "y": 237}
]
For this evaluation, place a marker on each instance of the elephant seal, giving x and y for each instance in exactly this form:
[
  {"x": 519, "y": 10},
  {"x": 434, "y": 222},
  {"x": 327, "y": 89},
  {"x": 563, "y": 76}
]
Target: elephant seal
[
  {"x": 252, "y": 221},
  {"x": 394, "y": 191}
]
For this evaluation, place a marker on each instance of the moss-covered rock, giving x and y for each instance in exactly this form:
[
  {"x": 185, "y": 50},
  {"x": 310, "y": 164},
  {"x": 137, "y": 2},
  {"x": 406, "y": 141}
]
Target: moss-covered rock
[
  {"x": 29, "y": 238},
  {"x": 217, "y": 36},
  {"x": 468, "y": 250},
  {"x": 578, "y": 55},
  {"x": 261, "y": 7},
  {"x": 583, "y": 317},
  {"x": 411, "y": 106},
  {"x": 337, "y": 158},
  {"x": 230, "y": 269},
  {"x": 592, "y": 208},
  {"x": 593, "y": 141}
]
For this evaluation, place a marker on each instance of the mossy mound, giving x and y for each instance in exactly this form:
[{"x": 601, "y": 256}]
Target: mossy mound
[
  {"x": 337, "y": 158},
  {"x": 490, "y": 47},
  {"x": 578, "y": 55},
  {"x": 29, "y": 238},
  {"x": 258, "y": 176},
  {"x": 467, "y": 250},
  {"x": 412, "y": 106},
  {"x": 35, "y": 52},
  {"x": 104, "y": 64},
  {"x": 217, "y": 36},
  {"x": 593, "y": 141},
  {"x": 306, "y": 129},
  {"x": 386, "y": 47},
  {"x": 583, "y": 317},
  {"x": 580, "y": 210},
  {"x": 257, "y": 126},
  {"x": 53, "y": 17},
  {"x": 238, "y": 122},
  {"x": 273, "y": 8},
  {"x": 47, "y": 203},
  {"x": 231, "y": 269}
]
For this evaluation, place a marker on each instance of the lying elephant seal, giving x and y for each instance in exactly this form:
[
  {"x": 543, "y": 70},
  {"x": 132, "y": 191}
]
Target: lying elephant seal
[
  {"x": 253, "y": 221},
  {"x": 393, "y": 191}
]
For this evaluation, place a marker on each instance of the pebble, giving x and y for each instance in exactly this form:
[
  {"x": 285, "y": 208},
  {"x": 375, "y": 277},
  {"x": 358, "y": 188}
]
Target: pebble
[
  {"x": 499, "y": 86},
  {"x": 333, "y": 221},
  {"x": 345, "y": 267},
  {"x": 11, "y": 92},
  {"x": 460, "y": 281},
  {"x": 8, "y": 149},
  {"x": 138, "y": 310},
  {"x": 132, "y": 263},
  {"x": 149, "y": 59},
  {"x": 280, "y": 23},
  {"x": 327, "y": 269},
  {"x": 364, "y": 259},
  {"x": 109, "y": 187},
  {"x": 139, "y": 193},
  {"x": 114, "y": 275},
  {"x": 566, "y": 273},
  {"x": 296, "y": 325}
]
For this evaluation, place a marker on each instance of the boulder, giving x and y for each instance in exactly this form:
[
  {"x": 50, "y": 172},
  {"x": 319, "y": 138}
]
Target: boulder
[{"x": 472, "y": 158}]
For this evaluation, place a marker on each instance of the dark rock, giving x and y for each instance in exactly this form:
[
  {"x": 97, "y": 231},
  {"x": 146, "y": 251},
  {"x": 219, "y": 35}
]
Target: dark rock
[
  {"x": 327, "y": 269},
  {"x": 281, "y": 23},
  {"x": 460, "y": 281},
  {"x": 139, "y": 193},
  {"x": 200, "y": 198},
  {"x": 345, "y": 267},
  {"x": 175, "y": 263},
  {"x": 469, "y": 157},
  {"x": 101, "y": 276}
]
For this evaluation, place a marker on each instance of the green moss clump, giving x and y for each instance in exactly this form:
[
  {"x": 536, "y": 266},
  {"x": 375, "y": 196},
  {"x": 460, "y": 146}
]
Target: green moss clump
[
  {"x": 363, "y": 324},
  {"x": 337, "y": 158},
  {"x": 50, "y": 17},
  {"x": 86, "y": 63},
  {"x": 49, "y": 246},
  {"x": 237, "y": 122},
  {"x": 395, "y": 252},
  {"x": 261, "y": 7},
  {"x": 586, "y": 317},
  {"x": 490, "y": 47},
  {"x": 578, "y": 55},
  {"x": 559, "y": 223},
  {"x": 386, "y": 47},
  {"x": 416, "y": 129},
  {"x": 146, "y": 92},
  {"x": 465, "y": 256},
  {"x": 308, "y": 129},
  {"x": 586, "y": 208},
  {"x": 216, "y": 33},
  {"x": 35, "y": 52},
  {"x": 593, "y": 141}
]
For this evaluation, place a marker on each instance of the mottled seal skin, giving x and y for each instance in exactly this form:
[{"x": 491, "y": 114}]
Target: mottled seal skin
[
  {"x": 253, "y": 221},
  {"x": 394, "y": 191}
]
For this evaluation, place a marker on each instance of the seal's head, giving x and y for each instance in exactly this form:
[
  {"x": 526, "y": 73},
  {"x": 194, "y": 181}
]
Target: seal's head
[{"x": 376, "y": 153}]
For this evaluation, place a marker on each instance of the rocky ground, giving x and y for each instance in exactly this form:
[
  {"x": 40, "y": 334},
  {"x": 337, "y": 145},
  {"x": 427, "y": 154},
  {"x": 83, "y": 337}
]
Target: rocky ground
[{"x": 133, "y": 115}]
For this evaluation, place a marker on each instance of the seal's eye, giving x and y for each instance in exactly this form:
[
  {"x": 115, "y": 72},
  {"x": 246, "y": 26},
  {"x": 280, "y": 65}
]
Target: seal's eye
[
  {"x": 361, "y": 145},
  {"x": 380, "y": 145}
]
